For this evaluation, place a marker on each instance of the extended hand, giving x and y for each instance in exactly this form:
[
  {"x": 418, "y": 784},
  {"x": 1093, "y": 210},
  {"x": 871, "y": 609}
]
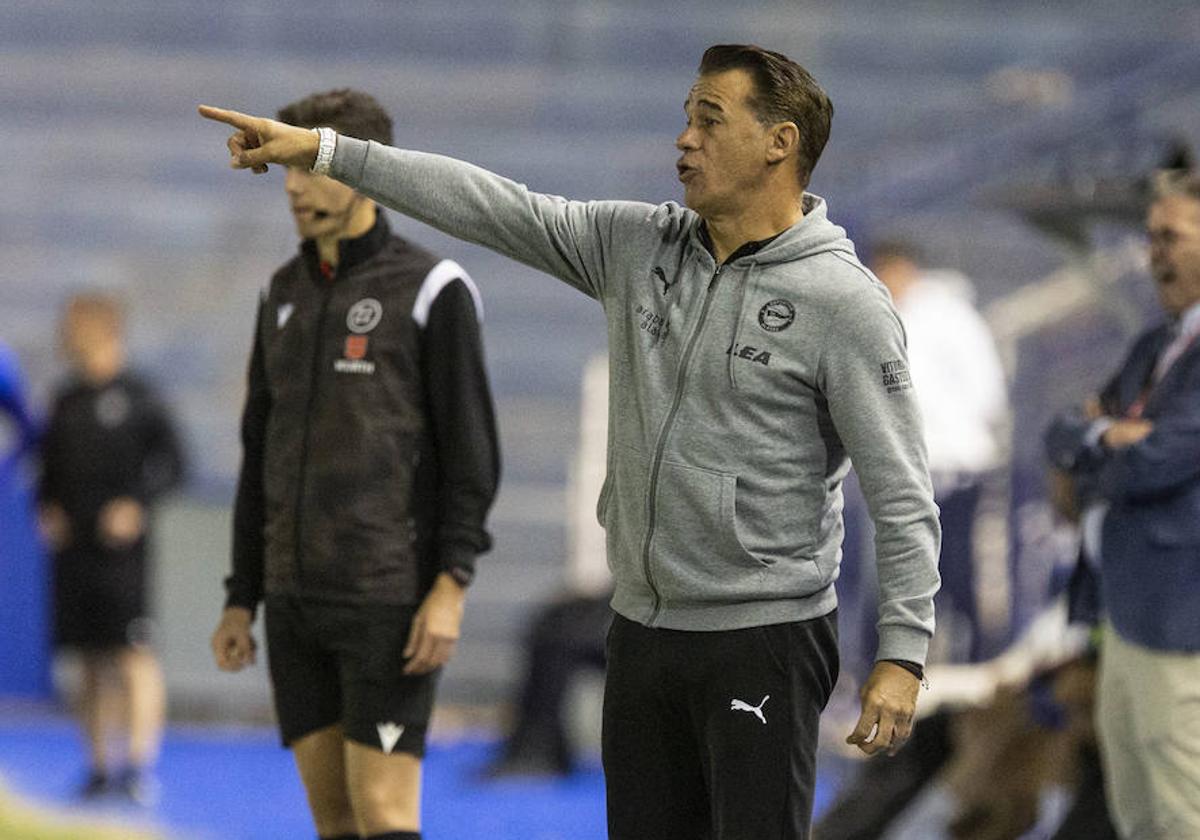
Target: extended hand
[
  {"x": 436, "y": 627},
  {"x": 889, "y": 702},
  {"x": 1124, "y": 433},
  {"x": 233, "y": 644},
  {"x": 259, "y": 141}
]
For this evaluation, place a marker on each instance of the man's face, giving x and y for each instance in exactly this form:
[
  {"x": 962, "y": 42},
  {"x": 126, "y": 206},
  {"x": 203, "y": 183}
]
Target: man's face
[
  {"x": 724, "y": 145},
  {"x": 88, "y": 339},
  {"x": 1174, "y": 229},
  {"x": 321, "y": 206}
]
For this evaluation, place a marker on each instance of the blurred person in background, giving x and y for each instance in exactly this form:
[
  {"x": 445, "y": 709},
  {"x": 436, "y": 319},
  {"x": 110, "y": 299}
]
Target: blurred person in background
[
  {"x": 369, "y": 465},
  {"x": 24, "y": 605},
  {"x": 963, "y": 397},
  {"x": 751, "y": 355},
  {"x": 110, "y": 452},
  {"x": 567, "y": 636},
  {"x": 1004, "y": 745},
  {"x": 13, "y": 404},
  {"x": 1133, "y": 455}
]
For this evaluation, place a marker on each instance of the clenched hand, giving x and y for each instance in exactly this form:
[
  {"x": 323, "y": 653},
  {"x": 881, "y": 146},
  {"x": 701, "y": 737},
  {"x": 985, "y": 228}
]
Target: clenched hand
[
  {"x": 889, "y": 703},
  {"x": 233, "y": 644}
]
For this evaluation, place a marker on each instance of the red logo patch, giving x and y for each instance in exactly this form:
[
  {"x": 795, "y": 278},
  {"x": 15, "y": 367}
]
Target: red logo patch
[{"x": 356, "y": 347}]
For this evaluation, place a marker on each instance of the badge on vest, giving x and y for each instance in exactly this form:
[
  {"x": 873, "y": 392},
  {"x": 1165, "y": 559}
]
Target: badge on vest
[
  {"x": 353, "y": 360},
  {"x": 356, "y": 347},
  {"x": 363, "y": 317}
]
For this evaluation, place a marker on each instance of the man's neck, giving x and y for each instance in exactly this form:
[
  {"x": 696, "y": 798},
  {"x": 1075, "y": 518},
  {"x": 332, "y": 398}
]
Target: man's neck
[
  {"x": 101, "y": 371},
  {"x": 728, "y": 233},
  {"x": 360, "y": 224}
]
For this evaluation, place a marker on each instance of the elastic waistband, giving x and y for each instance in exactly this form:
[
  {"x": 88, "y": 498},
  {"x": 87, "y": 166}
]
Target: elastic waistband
[{"x": 638, "y": 605}]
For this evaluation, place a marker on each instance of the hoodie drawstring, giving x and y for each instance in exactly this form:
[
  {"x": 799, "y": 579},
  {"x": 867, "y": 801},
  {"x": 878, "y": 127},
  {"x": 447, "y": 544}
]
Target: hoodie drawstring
[{"x": 737, "y": 324}]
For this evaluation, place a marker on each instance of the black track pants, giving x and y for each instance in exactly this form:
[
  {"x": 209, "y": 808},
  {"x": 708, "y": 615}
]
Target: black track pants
[{"x": 713, "y": 735}]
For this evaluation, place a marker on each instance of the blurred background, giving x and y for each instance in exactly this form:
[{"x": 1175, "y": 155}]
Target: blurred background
[{"x": 1010, "y": 140}]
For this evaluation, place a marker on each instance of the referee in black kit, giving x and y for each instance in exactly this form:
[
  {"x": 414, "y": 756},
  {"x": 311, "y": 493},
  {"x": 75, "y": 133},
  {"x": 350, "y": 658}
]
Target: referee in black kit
[{"x": 370, "y": 463}]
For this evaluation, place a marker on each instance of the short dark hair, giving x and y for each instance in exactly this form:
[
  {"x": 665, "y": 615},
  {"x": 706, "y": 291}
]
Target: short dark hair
[
  {"x": 783, "y": 92},
  {"x": 345, "y": 110}
]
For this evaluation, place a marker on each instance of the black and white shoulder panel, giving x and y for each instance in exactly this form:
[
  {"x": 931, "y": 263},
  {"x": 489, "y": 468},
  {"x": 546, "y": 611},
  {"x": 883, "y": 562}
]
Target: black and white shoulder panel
[{"x": 440, "y": 276}]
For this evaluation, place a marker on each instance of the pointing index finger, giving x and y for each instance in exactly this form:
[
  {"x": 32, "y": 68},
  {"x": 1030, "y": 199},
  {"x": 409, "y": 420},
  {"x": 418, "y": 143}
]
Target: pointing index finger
[{"x": 233, "y": 118}]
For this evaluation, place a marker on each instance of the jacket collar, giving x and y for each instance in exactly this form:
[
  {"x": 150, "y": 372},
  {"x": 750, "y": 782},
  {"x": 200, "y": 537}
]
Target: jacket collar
[
  {"x": 1189, "y": 321},
  {"x": 746, "y": 250},
  {"x": 351, "y": 252}
]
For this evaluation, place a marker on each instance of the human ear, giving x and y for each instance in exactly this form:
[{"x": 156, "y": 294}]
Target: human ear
[{"x": 782, "y": 140}]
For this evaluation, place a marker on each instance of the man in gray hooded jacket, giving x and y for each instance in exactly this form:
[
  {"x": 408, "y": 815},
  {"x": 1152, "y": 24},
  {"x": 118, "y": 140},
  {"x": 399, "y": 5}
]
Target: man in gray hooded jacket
[{"x": 751, "y": 355}]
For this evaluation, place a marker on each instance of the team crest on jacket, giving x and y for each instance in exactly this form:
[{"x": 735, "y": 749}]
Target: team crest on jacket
[
  {"x": 113, "y": 408},
  {"x": 776, "y": 315},
  {"x": 364, "y": 316}
]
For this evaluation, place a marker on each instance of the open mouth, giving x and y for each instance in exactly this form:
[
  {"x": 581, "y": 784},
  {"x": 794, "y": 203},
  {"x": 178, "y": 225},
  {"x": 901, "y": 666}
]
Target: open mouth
[
  {"x": 685, "y": 172},
  {"x": 307, "y": 214}
]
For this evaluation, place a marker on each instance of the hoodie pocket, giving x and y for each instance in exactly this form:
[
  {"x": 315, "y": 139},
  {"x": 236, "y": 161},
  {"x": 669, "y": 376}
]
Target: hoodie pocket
[
  {"x": 696, "y": 555},
  {"x": 621, "y": 510}
]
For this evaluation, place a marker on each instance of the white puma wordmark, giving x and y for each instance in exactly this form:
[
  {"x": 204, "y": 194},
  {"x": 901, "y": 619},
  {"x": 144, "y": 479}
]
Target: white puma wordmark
[
  {"x": 743, "y": 706},
  {"x": 389, "y": 734}
]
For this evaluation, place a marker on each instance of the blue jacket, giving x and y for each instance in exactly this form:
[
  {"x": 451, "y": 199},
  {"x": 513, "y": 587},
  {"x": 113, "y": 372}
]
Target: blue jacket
[
  {"x": 13, "y": 404},
  {"x": 1150, "y": 544}
]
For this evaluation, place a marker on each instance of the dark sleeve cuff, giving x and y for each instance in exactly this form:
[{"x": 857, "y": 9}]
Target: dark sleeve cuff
[
  {"x": 458, "y": 561},
  {"x": 239, "y": 596}
]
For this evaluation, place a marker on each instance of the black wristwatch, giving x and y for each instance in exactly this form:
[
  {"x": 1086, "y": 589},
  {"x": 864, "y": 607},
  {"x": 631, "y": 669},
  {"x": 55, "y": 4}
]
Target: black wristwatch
[{"x": 913, "y": 668}]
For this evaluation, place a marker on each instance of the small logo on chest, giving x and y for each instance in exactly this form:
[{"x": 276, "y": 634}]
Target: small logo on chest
[
  {"x": 776, "y": 315},
  {"x": 113, "y": 408},
  {"x": 753, "y": 354},
  {"x": 661, "y": 277},
  {"x": 649, "y": 321},
  {"x": 356, "y": 346},
  {"x": 364, "y": 316}
]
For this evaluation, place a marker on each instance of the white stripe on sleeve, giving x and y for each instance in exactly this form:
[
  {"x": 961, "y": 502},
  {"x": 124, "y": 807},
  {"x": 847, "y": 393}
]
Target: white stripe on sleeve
[{"x": 445, "y": 272}]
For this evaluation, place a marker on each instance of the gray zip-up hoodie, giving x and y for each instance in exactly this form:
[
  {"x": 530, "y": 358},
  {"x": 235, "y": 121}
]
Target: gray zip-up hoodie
[{"x": 736, "y": 394}]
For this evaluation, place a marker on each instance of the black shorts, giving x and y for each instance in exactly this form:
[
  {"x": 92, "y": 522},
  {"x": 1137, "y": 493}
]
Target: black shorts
[
  {"x": 343, "y": 664},
  {"x": 100, "y": 598},
  {"x": 713, "y": 735}
]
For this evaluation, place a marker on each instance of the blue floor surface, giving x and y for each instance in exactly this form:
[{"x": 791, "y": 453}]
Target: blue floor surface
[{"x": 229, "y": 784}]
